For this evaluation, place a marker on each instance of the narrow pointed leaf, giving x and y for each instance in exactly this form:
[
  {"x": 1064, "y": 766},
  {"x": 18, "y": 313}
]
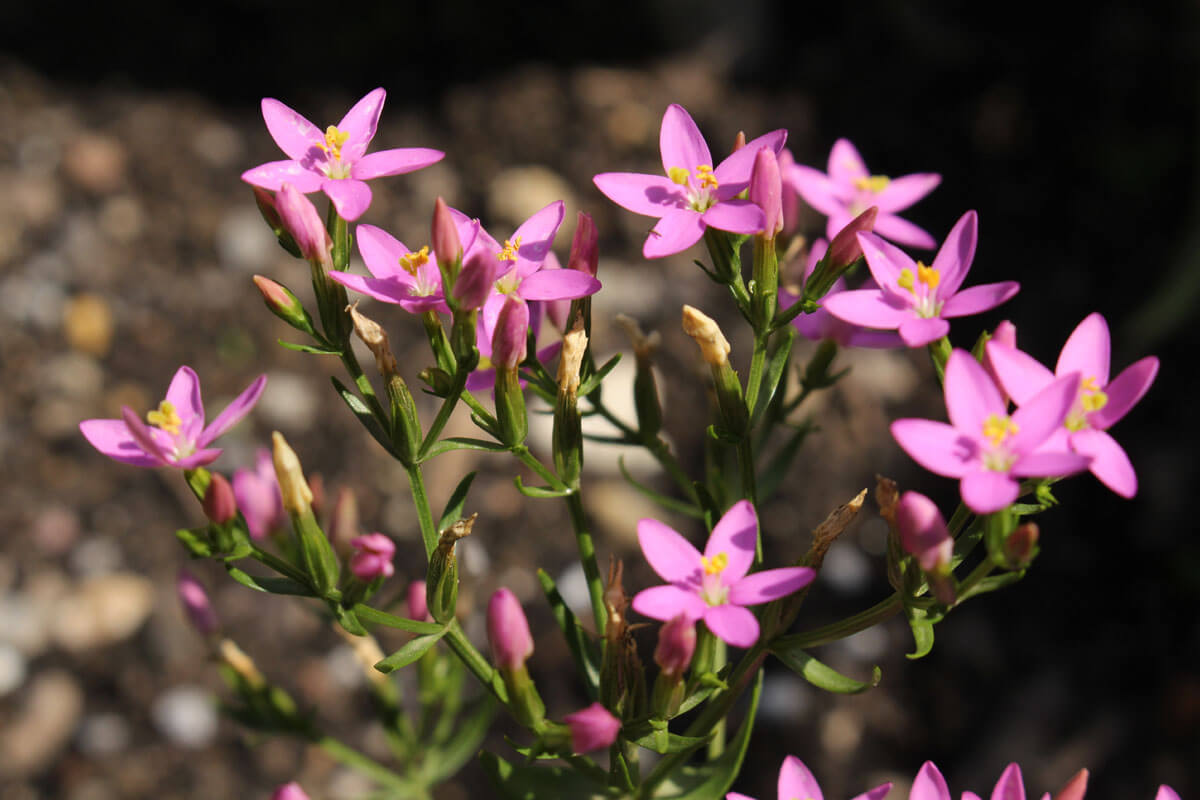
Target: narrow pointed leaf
[
  {"x": 821, "y": 675},
  {"x": 595, "y": 378},
  {"x": 776, "y": 367},
  {"x": 541, "y": 491},
  {"x": 267, "y": 584},
  {"x": 364, "y": 415},
  {"x": 657, "y": 738},
  {"x": 922, "y": 629},
  {"x": 464, "y": 443},
  {"x": 310, "y": 348},
  {"x": 347, "y": 619},
  {"x": 583, "y": 649},
  {"x": 452, "y": 513},
  {"x": 377, "y": 617},
  {"x": 663, "y": 500},
  {"x": 195, "y": 541},
  {"x": 410, "y": 652}
]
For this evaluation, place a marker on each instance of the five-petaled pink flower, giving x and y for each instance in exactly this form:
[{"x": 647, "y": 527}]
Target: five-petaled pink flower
[
  {"x": 398, "y": 275},
  {"x": 850, "y": 189},
  {"x": 335, "y": 161},
  {"x": 796, "y": 782},
  {"x": 713, "y": 587},
  {"x": 176, "y": 435},
  {"x": 694, "y": 195},
  {"x": 1099, "y": 405},
  {"x": 915, "y": 299},
  {"x": 985, "y": 447}
]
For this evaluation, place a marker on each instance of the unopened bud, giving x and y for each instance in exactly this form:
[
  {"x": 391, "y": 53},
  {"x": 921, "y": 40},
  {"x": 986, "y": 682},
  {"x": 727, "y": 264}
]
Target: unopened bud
[
  {"x": 376, "y": 340},
  {"x": 418, "y": 608},
  {"x": 447, "y": 247},
  {"x": 297, "y": 497},
  {"x": 289, "y": 791},
  {"x": 219, "y": 504},
  {"x": 266, "y": 206},
  {"x": 714, "y": 347},
  {"x": 510, "y": 334},
  {"x": 242, "y": 664},
  {"x": 281, "y": 302},
  {"x": 845, "y": 248},
  {"x": 1021, "y": 545},
  {"x": 196, "y": 604},
  {"x": 575, "y": 344},
  {"x": 373, "y": 557},
  {"x": 585, "y": 247},
  {"x": 676, "y": 645},
  {"x": 508, "y": 631},
  {"x": 441, "y": 579},
  {"x": 923, "y": 532},
  {"x": 766, "y": 191},
  {"x": 301, "y": 219},
  {"x": 592, "y": 728},
  {"x": 481, "y": 267},
  {"x": 1006, "y": 334},
  {"x": 1075, "y": 788},
  {"x": 739, "y": 141}
]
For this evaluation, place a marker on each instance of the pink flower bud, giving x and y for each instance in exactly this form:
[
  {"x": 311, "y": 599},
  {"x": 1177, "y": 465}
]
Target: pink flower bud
[
  {"x": 258, "y": 497},
  {"x": 219, "y": 504},
  {"x": 585, "y": 247},
  {"x": 289, "y": 791},
  {"x": 1005, "y": 333},
  {"x": 446, "y": 245},
  {"x": 195, "y": 604},
  {"x": 301, "y": 219},
  {"x": 923, "y": 532},
  {"x": 417, "y": 607},
  {"x": 676, "y": 644},
  {"x": 845, "y": 249},
  {"x": 789, "y": 200},
  {"x": 508, "y": 631},
  {"x": 511, "y": 333},
  {"x": 277, "y": 298},
  {"x": 592, "y": 728},
  {"x": 480, "y": 269},
  {"x": 766, "y": 190},
  {"x": 373, "y": 556},
  {"x": 266, "y": 206},
  {"x": 1075, "y": 788},
  {"x": 1021, "y": 545}
]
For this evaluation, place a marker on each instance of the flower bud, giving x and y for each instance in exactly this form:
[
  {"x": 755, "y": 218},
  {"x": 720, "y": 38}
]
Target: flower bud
[
  {"x": 289, "y": 791},
  {"x": 301, "y": 219},
  {"x": 567, "y": 434},
  {"x": 766, "y": 190},
  {"x": 479, "y": 272},
  {"x": 293, "y": 489},
  {"x": 923, "y": 532},
  {"x": 739, "y": 141},
  {"x": 585, "y": 247},
  {"x": 375, "y": 338},
  {"x": 1006, "y": 334},
  {"x": 441, "y": 579},
  {"x": 196, "y": 604},
  {"x": 447, "y": 247},
  {"x": 281, "y": 302},
  {"x": 219, "y": 504},
  {"x": 508, "y": 631},
  {"x": 373, "y": 557},
  {"x": 511, "y": 334},
  {"x": 592, "y": 728},
  {"x": 266, "y": 206},
  {"x": 1021, "y": 545},
  {"x": 843, "y": 251},
  {"x": 789, "y": 201},
  {"x": 645, "y": 386},
  {"x": 316, "y": 553},
  {"x": 676, "y": 645},
  {"x": 1074, "y": 788},
  {"x": 714, "y": 347},
  {"x": 418, "y": 609}
]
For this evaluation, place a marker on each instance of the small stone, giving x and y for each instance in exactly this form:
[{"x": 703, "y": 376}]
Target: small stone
[
  {"x": 32, "y": 300},
  {"x": 186, "y": 715},
  {"x": 22, "y": 624},
  {"x": 103, "y": 734},
  {"x": 88, "y": 324},
  {"x": 30, "y": 741},
  {"x": 73, "y": 375},
  {"x": 121, "y": 218},
  {"x": 13, "y": 668},
  {"x": 217, "y": 143},
  {"x": 103, "y": 610},
  {"x": 244, "y": 242},
  {"x": 516, "y": 193},
  {"x": 96, "y": 162},
  {"x": 55, "y": 530},
  {"x": 846, "y": 568},
  {"x": 289, "y": 402},
  {"x": 841, "y": 731},
  {"x": 96, "y": 555}
]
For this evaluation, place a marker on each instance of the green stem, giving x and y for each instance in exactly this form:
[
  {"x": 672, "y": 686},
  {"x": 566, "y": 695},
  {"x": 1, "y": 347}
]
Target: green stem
[
  {"x": 587, "y": 557},
  {"x": 347, "y": 755},
  {"x": 960, "y": 517},
  {"x": 849, "y": 626},
  {"x": 429, "y": 533},
  {"x": 530, "y": 460},
  {"x": 474, "y": 661},
  {"x": 279, "y": 565},
  {"x": 758, "y": 362},
  {"x": 355, "y": 370},
  {"x": 449, "y": 403},
  {"x": 477, "y": 408},
  {"x": 657, "y": 447}
]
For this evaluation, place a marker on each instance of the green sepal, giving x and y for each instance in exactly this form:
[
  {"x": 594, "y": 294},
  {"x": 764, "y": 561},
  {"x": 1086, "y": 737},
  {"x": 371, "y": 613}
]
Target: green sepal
[
  {"x": 377, "y": 617},
  {"x": 195, "y": 541},
  {"x": 198, "y": 480},
  {"x": 282, "y": 234},
  {"x": 406, "y": 427},
  {"x": 922, "y": 630},
  {"x": 316, "y": 553},
  {"x": 512, "y": 419},
  {"x": 271, "y": 585},
  {"x": 317, "y": 350},
  {"x": 452, "y": 513},
  {"x": 583, "y": 648},
  {"x": 347, "y": 619},
  {"x": 821, "y": 675},
  {"x": 652, "y": 734},
  {"x": 541, "y": 491},
  {"x": 410, "y": 652},
  {"x": 464, "y": 443}
]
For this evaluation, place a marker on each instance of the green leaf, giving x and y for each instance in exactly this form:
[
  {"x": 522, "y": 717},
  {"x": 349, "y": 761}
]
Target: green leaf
[
  {"x": 410, "y": 652},
  {"x": 663, "y": 500},
  {"x": 541, "y": 491},
  {"x": 347, "y": 619},
  {"x": 364, "y": 416},
  {"x": 514, "y": 782},
  {"x": 452, "y": 513},
  {"x": 821, "y": 675},
  {"x": 583, "y": 648},
  {"x": 653, "y": 735},
  {"x": 198, "y": 480},
  {"x": 776, "y": 368},
  {"x": 698, "y": 696},
  {"x": 588, "y": 386},
  {"x": 316, "y": 350},
  {"x": 440, "y": 763},
  {"x": 269, "y": 585},
  {"x": 464, "y": 443},
  {"x": 922, "y": 628},
  {"x": 377, "y": 617},
  {"x": 777, "y": 468},
  {"x": 195, "y": 541}
]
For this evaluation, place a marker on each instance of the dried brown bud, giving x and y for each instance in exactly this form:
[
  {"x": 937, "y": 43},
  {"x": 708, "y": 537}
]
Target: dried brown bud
[
  {"x": 739, "y": 141},
  {"x": 643, "y": 345},
  {"x": 887, "y": 495},
  {"x": 714, "y": 347},
  {"x": 297, "y": 497},
  {"x": 834, "y": 525},
  {"x": 374, "y": 337},
  {"x": 241, "y": 663},
  {"x": 575, "y": 344}
]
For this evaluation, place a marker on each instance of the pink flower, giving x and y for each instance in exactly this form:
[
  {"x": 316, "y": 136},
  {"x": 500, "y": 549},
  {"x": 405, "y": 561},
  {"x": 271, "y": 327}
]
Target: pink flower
[
  {"x": 398, "y": 275},
  {"x": 335, "y": 161},
  {"x": 176, "y": 435},
  {"x": 257, "y": 493},
  {"x": 508, "y": 630},
  {"x": 796, "y": 782},
  {"x": 196, "y": 604},
  {"x": 418, "y": 608},
  {"x": 1099, "y": 404},
  {"x": 985, "y": 447},
  {"x": 916, "y": 299},
  {"x": 676, "y": 645},
  {"x": 372, "y": 557},
  {"x": 300, "y": 217},
  {"x": 289, "y": 791},
  {"x": 592, "y": 728},
  {"x": 849, "y": 189},
  {"x": 713, "y": 587},
  {"x": 694, "y": 195},
  {"x": 923, "y": 532}
]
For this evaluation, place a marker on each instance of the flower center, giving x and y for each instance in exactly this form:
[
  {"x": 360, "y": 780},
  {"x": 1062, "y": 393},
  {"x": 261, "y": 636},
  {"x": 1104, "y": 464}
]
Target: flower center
[
  {"x": 165, "y": 418},
  {"x": 873, "y": 184},
  {"x": 413, "y": 261},
  {"x": 923, "y": 288},
  {"x": 715, "y": 565},
  {"x": 700, "y": 198},
  {"x": 711, "y": 589},
  {"x": 1091, "y": 398},
  {"x": 509, "y": 252},
  {"x": 334, "y": 139},
  {"x": 997, "y": 428}
]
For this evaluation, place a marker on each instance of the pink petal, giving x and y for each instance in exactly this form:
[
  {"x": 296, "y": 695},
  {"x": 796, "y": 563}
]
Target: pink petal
[
  {"x": 985, "y": 491},
  {"x": 970, "y": 796},
  {"x": 936, "y": 446},
  {"x": 1110, "y": 463},
  {"x": 904, "y": 191},
  {"x": 732, "y": 624},
  {"x": 676, "y": 231},
  {"x": 1049, "y": 464},
  {"x": 1124, "y": 392},
  {"x": 1010, "y": 786},
  {"x": 184, "y": 394},
  {"x": 929, "y": 784},
  {"x": 351, "y": 197},
  {"x": 733, "y": 174},
  {"x": 878, "y": 793},
  {"x": 360, "y": 122},
  {"x": 153, "y": 441},
  {"x": 901, "y": 231},
  {"x": 234, "y": 412},
  {"x": 398, "y": 161},
  {"x": 1088, "y": 351},
  {"x": 294, "y": 134},
  {"x": 980, "y": 298},
  {"x": 954, "y": 257},
  {"x": 381, "y": 252},
  {"x": 735, "y": 535},
  {"x": 735, "y": 216},
  {"x": 874, "y": 340},
  {"x": 1166, "y": 793},
  {"x": 795, "y": 780},
  {"x": 680, "y": 142},
  {"x": 669, "y": 554},
  {"x": 1043, "y": 414},
  {"x": 641, "y": 194},
  {"x": 394, "y": 290},
  {"x": 737, "y": 796},
  {"x": 886, "y": 261},
  {"x": 537, "y": 235},
  {"x": 763, "y": 587},
  {"x": 971, "y": 395},
  {"x": 558, "y": 284},
  {"x": 198, "y": 458},
  {"x": 918, "y": 332},
  {"x": 274, "y": 174},
  {"x": 817, "y": 189},
  {"x": 111, "y": 437},
  {"x": 1021, "y": 376},
  {"x": 258, "y": 500},
  {"x": 669, "y": 601},
  {"x": 870, "y": 308},
  {"x": 845, "y": 164}
]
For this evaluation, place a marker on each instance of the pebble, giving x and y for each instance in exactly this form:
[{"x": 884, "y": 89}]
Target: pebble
[
  {"x": 516, "y": 193},
  {"x": 122, "y": 218},
  {"x": 846, "y": 569},
  {"x": 102, "y": 610},
  {"x": 72, "y": 375},
  {"x": 289, "y": 402},
  {"x": 95, "y": 162},
  {"x": 13, "y": 668},
  {"x": 103, "y": 734},
  {"x": 32, "y": 300},
  {"x": 187, "y": 715},
  {"x": 55, "y": 529},
  {"x": 785, "y": 697},
  {"x": 31, "y": 740},
  {"x": 22, "y": 625},
  {"x": 243, "y": 240},
  {"x": 217, "y": 143},
  {"x": 96, "y": 555}
]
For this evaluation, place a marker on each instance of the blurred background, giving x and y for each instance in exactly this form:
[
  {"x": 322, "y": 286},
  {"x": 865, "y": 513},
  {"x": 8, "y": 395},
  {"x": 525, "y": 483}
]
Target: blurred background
[{"x": 127, "y": 243}]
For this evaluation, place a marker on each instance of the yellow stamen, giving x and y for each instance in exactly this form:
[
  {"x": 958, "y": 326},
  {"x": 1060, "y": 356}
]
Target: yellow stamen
[
  {"x": 704, "y": 174},
  {"x": 414, "y": 260},
  {"x": 997, "y": 428},
  {"x": 1092, "y": 397},
  {"x": 905, "y": 280},
  {"x": 715, "y": 565},
  {"x": 165, "y": 418},
  {"x": 334, "y": 139},
  {"x": 873, "y": 184},
  {"x": 928, "y": 275},
  {"x": 678, "y": 175},
  {"x": 509, "y": 253}
]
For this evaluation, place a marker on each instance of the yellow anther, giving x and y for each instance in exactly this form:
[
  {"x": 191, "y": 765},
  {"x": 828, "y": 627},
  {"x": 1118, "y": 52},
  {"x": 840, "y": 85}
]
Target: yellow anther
[
  {"x": 1091, "y": 396},
  {"x": 678, "y": 175},
  {"x": 905, "y": 280},
  {"x": 412, "y": 261},
  {"x": 509, "y": 253},
  {"x": 928, "y": 275},
  {"x": 997, "y": 428},
  {"x": 873, "y": 184},
  {"x": 704, "y": 174},
  {"x": 715, "y": 565},
  {"x": 165, "y": 418},
  {"x": 334, "y": 139}
]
